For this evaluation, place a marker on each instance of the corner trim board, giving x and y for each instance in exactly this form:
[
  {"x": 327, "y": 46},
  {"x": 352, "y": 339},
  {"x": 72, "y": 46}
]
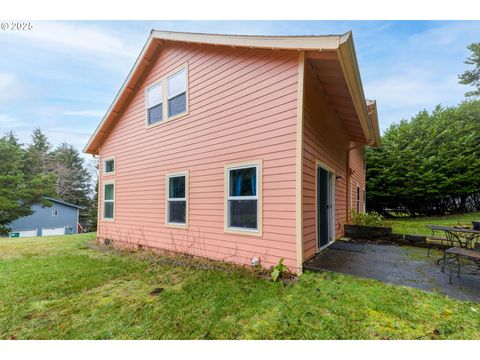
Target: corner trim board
[{"x": 299, "y": 164}]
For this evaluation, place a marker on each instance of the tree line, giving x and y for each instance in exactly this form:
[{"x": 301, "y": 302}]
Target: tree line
[
  {"x": 430, "y": 165},
  {"x": 30, "y": 173}
]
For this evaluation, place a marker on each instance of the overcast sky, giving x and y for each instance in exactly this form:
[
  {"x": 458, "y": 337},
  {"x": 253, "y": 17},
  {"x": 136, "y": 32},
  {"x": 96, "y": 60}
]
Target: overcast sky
[{"x": 62, "y": 76}]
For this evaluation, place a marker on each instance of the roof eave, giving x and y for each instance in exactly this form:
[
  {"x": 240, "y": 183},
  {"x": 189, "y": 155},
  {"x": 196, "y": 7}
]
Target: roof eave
[
  {"x": 93, "y": 142},
  {"x": 348, "y": 61},
  {"x": 326, "y": 42},
  {"x": 342, "y": 44}
]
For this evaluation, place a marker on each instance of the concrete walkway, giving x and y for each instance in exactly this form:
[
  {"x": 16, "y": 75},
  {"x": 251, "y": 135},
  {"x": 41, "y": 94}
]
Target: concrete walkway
[{"x": 401, "y": 265}]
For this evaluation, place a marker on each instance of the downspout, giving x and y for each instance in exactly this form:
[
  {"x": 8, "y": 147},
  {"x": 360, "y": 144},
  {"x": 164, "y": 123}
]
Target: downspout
[{"x": 347, "y": 180}]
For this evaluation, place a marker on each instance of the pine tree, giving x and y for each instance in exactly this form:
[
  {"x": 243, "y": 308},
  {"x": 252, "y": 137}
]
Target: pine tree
[
  {"x": 72, "y": 178},
  {"x": 18, "y": 194},
  {"x": 472, "y": 77},
  {"x": 36, "y": 158}
]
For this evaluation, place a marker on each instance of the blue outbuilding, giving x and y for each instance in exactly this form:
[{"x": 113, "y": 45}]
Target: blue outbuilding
[{"x": 59, "y": 219}]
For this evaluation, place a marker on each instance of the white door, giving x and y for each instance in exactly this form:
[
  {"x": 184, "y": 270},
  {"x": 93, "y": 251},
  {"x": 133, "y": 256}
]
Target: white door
[
  {"x": 26, "y": 233},
  {"x": 53, "y": 231}
]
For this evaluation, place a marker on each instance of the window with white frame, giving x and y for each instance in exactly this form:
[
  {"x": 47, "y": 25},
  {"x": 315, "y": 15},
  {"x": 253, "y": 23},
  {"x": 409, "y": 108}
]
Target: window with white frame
[
  {"x": 109, "y": 166},
  {"x": 168, "y": 97},
  {"x": 177, "y": 192},
  {"x": 177, "y": 93},
  {"x": 109, "y": 201},
  {"x": 155, "y": 103},
  {"x": 54, "y": 212},
  {"x": 364, "y": 200},
  {"x": 358, "y": 199},
  {"x": 242, "y": 197}
]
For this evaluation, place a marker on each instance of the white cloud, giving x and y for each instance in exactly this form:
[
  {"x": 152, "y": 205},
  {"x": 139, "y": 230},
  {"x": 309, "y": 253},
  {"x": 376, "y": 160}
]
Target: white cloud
[
  {"x": 6, "y": 81},
  {"x": 410, "y": 90},
  {"x": 452, "y": 34},
  {"x": 10, "y": 88},
  {"x": 8, "y": 122},
  {"x": 77, "y": 36},
  {"x": 86, "y": 113}
]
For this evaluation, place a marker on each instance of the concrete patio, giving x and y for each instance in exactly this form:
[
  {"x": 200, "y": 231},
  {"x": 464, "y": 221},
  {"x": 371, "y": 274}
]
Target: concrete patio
[{"x": 401, "y": 265}]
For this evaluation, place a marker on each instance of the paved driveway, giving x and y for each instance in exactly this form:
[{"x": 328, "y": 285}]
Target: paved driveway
[{"x": 402, "y": 265}]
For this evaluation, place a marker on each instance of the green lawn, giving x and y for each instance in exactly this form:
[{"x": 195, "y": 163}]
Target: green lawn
[
  {"x": 66, "y": 288},
  {"x": 419, "y": 225}
]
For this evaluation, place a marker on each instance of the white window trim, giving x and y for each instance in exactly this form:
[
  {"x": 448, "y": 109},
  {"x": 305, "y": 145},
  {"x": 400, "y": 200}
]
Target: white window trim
[
  {"x": 164, "y": 81},
  {"x": 364, "y": 200},
  {"x": 236, "y": 230},
  {"x": 186, "y": 199},
  {"x": 55, "y": 212},
  {"x": 104, "y": 167},
  {"x": 358, "y": 204},
  {"x": 105, "y": 183}
]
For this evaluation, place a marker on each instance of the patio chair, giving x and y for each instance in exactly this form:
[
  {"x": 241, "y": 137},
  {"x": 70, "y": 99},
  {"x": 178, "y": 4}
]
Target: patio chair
[
  {"x": 454, "y": 264},
  {"x": 433, "y": 240}
]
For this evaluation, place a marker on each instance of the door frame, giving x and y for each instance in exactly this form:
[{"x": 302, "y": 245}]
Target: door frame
[{"x": 331, "y": 196}]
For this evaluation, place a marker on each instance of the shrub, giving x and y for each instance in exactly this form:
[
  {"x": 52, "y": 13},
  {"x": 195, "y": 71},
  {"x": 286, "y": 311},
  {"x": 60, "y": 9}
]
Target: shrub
[{"x": 366, "y": 219}]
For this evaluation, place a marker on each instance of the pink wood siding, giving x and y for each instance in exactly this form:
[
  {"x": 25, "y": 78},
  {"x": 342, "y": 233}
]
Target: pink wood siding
[
  {"x": 325, "y": 140},
  {"x": 242, "y": 108},
  {"x": 357, "y": 177}
]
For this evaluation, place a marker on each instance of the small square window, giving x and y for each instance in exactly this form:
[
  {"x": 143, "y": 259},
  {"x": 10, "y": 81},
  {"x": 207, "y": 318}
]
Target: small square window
[{"x": 109, "y": 166}]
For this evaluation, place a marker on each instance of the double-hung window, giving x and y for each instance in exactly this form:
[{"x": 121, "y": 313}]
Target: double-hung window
[
  {"x": 167, "y": 98},
  {"x": 177, "y": 93},
  {"x": 364, "y": 201},
  {"x": 243, "y": 208},
  {"x": 108, "y": 200},
  {"x": 155, "y": 103},
  {"x": 177, "y": 193},
  {"x": 358, "y": 199}
]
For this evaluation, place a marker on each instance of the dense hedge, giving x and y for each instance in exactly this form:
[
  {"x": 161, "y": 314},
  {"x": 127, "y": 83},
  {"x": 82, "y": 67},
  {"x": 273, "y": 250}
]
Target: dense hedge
[{"x": 429, "y": 165}]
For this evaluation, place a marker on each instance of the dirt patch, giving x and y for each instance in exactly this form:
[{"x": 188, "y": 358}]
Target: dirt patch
[{"x": 157, "y": 291}]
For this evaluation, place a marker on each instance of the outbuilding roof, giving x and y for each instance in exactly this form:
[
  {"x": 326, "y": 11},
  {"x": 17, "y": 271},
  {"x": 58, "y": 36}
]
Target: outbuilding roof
[{"x": 64, "y": 203}]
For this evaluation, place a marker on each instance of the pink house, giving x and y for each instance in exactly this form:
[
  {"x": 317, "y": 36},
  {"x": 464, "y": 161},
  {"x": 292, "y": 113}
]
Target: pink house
[{"x": 236, "y": 148}]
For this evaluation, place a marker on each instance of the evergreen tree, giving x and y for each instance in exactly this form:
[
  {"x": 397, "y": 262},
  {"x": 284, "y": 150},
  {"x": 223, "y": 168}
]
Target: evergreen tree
[
  {"x": 17, "y": 193},
  {"x": 37, "y": 159},
  {"x": 72, "y": 178},
  {"x": 472, "y": 77},
  {"x": 429, "y": 165}
]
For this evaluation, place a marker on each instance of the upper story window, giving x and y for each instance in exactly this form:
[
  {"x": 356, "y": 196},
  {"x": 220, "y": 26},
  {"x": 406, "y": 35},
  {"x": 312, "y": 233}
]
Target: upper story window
[
  {"x": 54, "y": 212},
  {"x": 109, "y": 166},
  {"x": 168, "y": 98},
  {"x": 243, "y": 207},
  {"x": 177, "y": 93},
  {"x": 155, "y": 103}
]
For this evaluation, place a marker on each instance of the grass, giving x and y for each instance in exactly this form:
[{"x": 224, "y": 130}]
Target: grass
[
  {"x": 419, "y": 225},
  {"x": 66, "y": 288}
]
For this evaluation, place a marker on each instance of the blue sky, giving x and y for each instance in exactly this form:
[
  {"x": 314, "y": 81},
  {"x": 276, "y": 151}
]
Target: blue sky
[{"x": 63, "y": 75}]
